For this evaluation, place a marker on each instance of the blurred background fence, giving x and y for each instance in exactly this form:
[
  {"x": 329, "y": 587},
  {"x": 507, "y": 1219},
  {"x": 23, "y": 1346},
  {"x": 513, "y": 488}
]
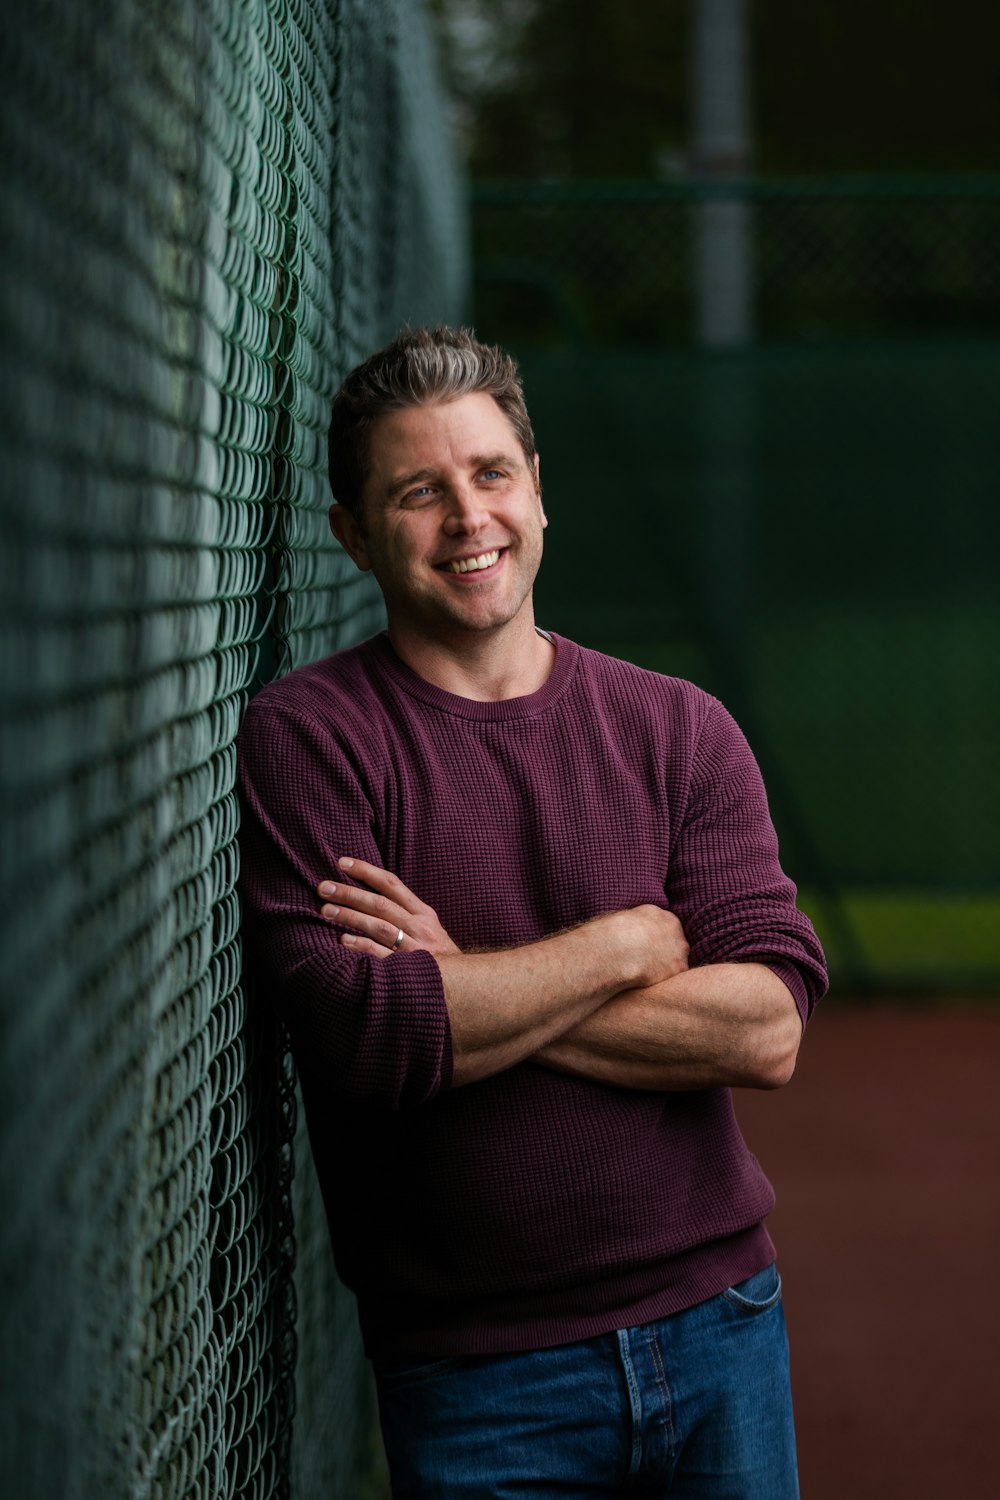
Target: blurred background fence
[
  {"x": 211, "y": 210},
  {"x": 793, "y": 503}
]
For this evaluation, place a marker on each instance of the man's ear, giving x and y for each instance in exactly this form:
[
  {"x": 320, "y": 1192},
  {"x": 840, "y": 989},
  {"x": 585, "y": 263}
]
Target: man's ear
[
  {"x": 350, "y": 534},
  {"x": 538, "y": 492}
]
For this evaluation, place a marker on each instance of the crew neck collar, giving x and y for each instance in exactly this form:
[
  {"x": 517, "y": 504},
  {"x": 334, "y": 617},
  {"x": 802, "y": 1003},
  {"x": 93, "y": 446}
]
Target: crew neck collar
[{"x": 492, "y": 711}]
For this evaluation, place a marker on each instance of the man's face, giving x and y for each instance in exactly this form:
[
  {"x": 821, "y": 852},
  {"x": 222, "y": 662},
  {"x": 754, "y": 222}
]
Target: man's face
[{"x": 452, "y": 518}]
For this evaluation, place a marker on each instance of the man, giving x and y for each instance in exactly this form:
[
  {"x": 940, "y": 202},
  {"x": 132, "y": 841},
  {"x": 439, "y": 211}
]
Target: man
[{"x": 521, "y": 909}]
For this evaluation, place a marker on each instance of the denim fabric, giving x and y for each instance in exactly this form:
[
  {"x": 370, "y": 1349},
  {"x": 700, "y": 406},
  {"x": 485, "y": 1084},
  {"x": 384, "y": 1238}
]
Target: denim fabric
[{"x": 697, "y": 1405}]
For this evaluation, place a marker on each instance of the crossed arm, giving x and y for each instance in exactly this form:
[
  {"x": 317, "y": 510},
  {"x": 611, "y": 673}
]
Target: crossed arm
[{"x": 611, "y": 1000}]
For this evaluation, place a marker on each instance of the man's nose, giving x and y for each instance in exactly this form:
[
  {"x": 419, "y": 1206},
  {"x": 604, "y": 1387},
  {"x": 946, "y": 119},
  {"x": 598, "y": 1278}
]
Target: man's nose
[{"x": 467, "y": 511}]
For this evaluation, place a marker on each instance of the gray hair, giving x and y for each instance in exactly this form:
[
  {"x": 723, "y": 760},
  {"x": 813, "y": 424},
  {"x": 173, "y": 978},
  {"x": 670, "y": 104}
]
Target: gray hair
[{"x": 421, "y": 365}]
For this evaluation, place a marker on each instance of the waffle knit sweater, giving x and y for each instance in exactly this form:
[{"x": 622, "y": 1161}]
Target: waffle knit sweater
[{"x": 531, "y": 1208}]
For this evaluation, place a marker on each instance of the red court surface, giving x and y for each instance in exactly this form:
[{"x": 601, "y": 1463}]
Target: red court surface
[{"x": 885, "y": 1155}]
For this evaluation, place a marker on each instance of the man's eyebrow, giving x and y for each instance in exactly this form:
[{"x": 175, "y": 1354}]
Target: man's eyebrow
[
  {"x": 492, "y": 461},
  {"x": 418, "y": 476},
  {"x": 475, "y": 461}
]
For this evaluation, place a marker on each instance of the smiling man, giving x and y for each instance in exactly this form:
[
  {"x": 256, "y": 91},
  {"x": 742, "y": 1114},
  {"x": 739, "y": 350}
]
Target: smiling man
[
  {"x": 452, "y": 530},
  {"x": 521, "y": 908}
]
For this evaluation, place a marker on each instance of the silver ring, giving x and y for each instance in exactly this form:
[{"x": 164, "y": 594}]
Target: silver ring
[{"x": 400, "y": 935}]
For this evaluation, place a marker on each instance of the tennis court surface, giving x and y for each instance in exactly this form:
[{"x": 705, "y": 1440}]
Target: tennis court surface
[{"x": 885, "y": 1155}]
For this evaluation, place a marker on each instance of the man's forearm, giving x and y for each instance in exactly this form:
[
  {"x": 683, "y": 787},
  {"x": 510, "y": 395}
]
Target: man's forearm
[
  {"x": 733, "y": 1025},
  {"x": 504, "y": 1006}
]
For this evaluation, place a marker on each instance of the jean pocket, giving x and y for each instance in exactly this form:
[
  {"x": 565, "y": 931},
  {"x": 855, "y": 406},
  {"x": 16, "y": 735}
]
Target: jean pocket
[
  {"x": 758, "y": 1293},
  {"x": 393, "y": 1377}
]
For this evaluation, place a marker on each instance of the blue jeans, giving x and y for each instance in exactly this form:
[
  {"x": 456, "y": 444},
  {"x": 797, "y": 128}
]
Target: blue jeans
[{"x": 694, "y": 1405}]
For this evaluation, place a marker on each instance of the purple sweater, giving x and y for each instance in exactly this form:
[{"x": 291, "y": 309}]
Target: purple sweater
[{"x": 531, "y": 1208}]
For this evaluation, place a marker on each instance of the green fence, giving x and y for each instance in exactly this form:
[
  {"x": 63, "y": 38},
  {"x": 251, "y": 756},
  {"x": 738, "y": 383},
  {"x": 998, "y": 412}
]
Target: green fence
[
  {"x": 803, "y": 517},
  {"x": 211, "y": 209}
]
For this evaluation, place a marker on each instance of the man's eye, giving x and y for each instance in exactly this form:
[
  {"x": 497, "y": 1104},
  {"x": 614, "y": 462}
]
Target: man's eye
[
  {"x": 420, "y": 493},
  {"x": 492, "y": 473}
]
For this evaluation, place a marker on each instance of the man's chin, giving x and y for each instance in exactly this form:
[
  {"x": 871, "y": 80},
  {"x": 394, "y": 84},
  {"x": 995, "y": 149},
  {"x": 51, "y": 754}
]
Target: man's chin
[{"x": 470, "y": 617}]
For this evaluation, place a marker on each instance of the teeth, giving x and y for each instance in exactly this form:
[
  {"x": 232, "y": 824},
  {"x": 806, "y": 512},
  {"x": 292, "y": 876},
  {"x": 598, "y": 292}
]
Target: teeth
[{"x": 470, "y": 564}]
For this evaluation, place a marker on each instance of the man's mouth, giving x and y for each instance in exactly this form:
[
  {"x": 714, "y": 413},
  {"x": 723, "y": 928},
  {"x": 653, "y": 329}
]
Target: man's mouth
[{"x": 472, "y": 564}]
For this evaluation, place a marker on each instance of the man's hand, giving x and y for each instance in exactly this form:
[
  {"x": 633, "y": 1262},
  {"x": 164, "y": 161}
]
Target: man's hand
[
  {"x": 664, "y": 935},
  {"x": 377, "y": 916}
]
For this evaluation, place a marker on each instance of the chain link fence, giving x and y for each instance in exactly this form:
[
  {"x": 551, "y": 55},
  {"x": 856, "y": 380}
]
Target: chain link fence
[
  {"x": 793, "y": 503},
  {"x": 613, "y": 264},
  {"x": 200, "y": 216}
]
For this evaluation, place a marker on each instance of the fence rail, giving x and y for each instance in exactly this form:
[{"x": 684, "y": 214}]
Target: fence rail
[{"x": 627, "y": 262}]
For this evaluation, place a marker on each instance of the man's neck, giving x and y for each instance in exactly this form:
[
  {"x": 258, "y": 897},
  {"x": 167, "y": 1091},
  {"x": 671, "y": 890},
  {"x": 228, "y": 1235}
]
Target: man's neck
[{"x": 483, "y": 666}]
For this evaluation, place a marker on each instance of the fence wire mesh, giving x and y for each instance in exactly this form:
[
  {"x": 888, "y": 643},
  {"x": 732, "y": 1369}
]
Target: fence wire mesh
[
  {"x": 620, "y": 263},
  {"x": 766, "y": 415},
  {"x": 195, "y": 194}
]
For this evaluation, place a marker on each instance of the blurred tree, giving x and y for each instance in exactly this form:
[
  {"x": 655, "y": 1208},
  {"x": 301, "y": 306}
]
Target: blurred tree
[
  {"x": 600, "y": 87},
  {"x": 559, "y": 88},
  {"x": 906, "y": 85}
]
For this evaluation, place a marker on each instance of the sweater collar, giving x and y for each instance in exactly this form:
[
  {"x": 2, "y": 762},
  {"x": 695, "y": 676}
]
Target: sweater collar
[{"x": 501, "y": 710}]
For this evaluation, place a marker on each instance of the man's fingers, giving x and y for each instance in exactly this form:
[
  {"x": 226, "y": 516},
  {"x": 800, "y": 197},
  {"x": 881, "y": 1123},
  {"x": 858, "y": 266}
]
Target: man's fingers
[
  {"x": 365, "y": 945},
  {"x": 381, "y": 912},
  {"x": 381, "y": 930},
  {"x": 383, "y": 881},
  {"x": 354, "y": 898}
]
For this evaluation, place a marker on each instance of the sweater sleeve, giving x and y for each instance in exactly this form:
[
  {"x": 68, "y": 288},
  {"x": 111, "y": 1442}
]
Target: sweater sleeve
[
  {"x": 726, "y": 883},
  {"x": 374, "y": 1030}
]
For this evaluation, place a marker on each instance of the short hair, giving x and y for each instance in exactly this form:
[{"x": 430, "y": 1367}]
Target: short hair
[{"x": 419, "y": 366}]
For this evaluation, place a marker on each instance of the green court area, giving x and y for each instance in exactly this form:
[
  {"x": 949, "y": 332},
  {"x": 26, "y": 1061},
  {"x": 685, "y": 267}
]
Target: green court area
[{"x": 910, "y": 943}]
